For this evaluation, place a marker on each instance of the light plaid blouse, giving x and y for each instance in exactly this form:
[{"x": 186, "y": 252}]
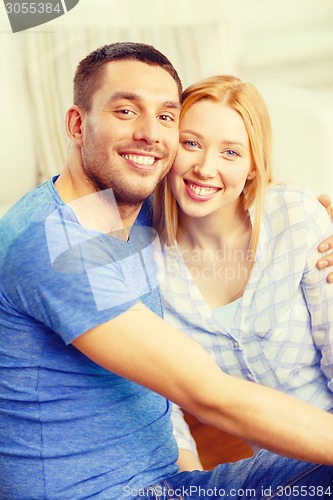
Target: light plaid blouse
[{"x": 282, "y": 334}]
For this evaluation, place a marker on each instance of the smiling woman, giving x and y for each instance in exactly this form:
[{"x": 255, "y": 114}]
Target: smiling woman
[
  {"x": 230, "y": 137},
  {"x": 240, "y": 253},
  {"x": 213, "y": 160}
]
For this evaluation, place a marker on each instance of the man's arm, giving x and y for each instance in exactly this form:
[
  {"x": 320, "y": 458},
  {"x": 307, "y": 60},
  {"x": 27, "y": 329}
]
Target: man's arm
[
  {"x": 142, "y": 347},
  {"x": 325, "y": 200},
  {"x": 327, "y": 244}
]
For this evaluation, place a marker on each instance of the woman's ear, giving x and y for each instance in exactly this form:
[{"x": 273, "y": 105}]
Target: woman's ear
[
  {"x": 251, "y": 175},
  {"x": 74, "y": 119}
]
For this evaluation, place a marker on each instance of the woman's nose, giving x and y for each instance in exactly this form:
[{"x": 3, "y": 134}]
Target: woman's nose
[{"x": 205, "y": 169}]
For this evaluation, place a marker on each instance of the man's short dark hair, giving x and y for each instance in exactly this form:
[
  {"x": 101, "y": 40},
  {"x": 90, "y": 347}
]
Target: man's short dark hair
[{"x": 89, "y": 73}]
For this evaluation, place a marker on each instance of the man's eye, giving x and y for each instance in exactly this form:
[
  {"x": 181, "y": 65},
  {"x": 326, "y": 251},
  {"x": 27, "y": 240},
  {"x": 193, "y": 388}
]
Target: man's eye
[
  {"x": 167, "y": 118},
  {"x": 125, "y": 112}
]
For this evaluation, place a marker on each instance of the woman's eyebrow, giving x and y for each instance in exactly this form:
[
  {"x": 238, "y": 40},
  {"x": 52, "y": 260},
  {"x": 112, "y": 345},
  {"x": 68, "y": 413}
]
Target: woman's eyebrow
[
  {"x": 192, "y": 132},
  {"x": 226, "y": 142},
  {"x": 233, "y": 143}
]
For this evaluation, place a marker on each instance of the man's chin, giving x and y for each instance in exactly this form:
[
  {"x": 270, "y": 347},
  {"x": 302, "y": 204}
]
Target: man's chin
[
  {"x": 133, "y": 199},
  {"x": 141, "y": 191}
]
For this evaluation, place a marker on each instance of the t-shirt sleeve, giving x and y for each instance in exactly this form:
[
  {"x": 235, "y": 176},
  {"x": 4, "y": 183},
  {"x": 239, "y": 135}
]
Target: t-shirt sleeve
[{"x": 71, "y": 280}]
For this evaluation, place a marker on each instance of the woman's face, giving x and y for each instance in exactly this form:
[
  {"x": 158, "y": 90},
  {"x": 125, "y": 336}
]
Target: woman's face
[{"x": 213, "y": 160}]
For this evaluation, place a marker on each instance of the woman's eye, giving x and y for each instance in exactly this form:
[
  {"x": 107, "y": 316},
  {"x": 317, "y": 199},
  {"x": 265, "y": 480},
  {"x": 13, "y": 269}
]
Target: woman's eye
[
  {"x": 191, "y": 144},
  {"x": 230, "y": 152}
]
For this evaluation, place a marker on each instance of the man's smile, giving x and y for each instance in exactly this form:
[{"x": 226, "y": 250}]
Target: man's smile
[{"x": 138, "y": 159}]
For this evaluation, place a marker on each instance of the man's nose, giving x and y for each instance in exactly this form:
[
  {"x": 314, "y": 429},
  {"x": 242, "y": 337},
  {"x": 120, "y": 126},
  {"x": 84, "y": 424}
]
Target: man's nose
[{"x": 147, "y": 129}]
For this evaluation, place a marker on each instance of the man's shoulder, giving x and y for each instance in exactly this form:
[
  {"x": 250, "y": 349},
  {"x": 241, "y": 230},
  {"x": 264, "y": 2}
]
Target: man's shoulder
[
  {"x": 35, "y": 204},
  {"x": 25, "y": 220}
]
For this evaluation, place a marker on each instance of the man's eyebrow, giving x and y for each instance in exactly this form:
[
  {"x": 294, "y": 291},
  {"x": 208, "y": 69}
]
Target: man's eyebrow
[
  {"x": 128, "y": 96},
  {"x": 172, "y": 104},
  {"x": 132, "y": 96}
]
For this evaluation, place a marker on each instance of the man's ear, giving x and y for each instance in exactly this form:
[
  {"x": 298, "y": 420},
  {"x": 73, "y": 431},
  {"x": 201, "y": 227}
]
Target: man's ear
[{"x": 74, "y": 120}]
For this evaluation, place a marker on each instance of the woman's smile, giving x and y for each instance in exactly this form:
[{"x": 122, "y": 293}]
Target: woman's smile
[{"x": 200, "y": 192}]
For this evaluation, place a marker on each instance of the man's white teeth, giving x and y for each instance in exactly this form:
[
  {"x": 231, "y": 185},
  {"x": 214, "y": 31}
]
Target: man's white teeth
[
  {"x": 202, "y": 191},
  {"x": 141, "y": 160}
]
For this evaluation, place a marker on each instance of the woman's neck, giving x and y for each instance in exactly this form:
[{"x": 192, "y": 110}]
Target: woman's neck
[
  {"x": 216, "y": 253},
  {"x": 227, "y": 229}
]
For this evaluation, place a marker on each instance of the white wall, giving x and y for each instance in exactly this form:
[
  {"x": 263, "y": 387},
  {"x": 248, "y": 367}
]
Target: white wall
[
  {"x": 17, "y": 153},
  {"x": 285, "y": 47}
]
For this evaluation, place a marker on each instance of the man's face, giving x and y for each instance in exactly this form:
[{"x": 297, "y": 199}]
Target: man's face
[{"x": 130, "y": 134}]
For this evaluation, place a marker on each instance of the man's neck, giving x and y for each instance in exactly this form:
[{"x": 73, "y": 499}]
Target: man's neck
[
  {"x": 128, "y": 214},
  {"x": 96, "y": 210}
]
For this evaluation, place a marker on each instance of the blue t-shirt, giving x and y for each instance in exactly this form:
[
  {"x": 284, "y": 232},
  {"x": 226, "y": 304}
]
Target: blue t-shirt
[{"x": 68, "y": 428}]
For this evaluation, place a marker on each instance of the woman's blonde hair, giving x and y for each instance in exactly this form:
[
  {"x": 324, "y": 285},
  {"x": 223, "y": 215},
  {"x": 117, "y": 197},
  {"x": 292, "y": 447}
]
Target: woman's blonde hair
[{"x": 247, "y": 101}]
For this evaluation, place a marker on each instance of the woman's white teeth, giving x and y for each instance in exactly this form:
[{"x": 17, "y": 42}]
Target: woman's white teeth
[
  {"x": 141, "y": 160},
  {"x": 202, "y": 191}
]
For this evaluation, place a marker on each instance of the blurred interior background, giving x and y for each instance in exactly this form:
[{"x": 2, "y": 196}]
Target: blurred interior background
[{"x": 285, "y": 47}]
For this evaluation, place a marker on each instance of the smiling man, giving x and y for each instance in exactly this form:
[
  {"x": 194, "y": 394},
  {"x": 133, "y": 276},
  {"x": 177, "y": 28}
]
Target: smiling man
[
  {"x": 124, "y": 136},
  {"x": 87, "y": 364}
]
